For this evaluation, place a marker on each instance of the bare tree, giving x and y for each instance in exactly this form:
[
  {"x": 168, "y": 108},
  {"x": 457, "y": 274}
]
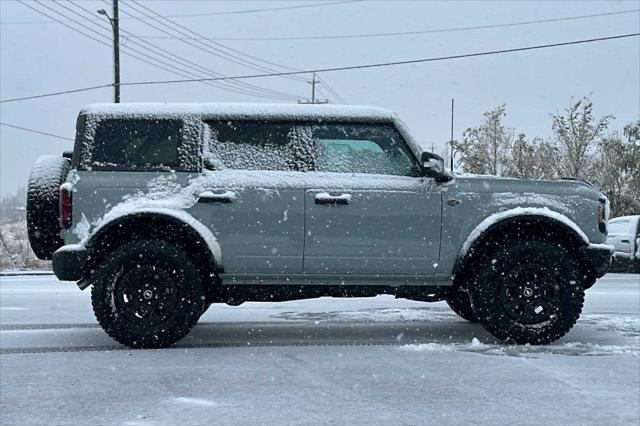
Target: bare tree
[{"x": 577, "y": 133}]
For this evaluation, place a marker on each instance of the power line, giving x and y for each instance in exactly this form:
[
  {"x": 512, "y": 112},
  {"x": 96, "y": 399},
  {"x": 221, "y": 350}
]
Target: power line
[
  {"x": 190, "y": 66},
  {"x": 35, "y": 131},
  {"x": 349, "y": 67},
  {"x": 405, "y": 33},
  {"x": 406, "y": 62},
  {"x": 192, "y": 15},
  {"x": 155, "y": 62},
  {"x": 253, "y": 90},
  {"x": 63, "y": 92},
  {"x": 333, "y": 92},
  {"x": 212, "y": 47}
]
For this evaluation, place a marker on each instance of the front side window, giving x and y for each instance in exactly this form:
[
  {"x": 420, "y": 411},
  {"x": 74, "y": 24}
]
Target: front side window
[
  {"x": 362, "y": 148},
  {"x": 249, "y": 145},
  {"x": 136, "y": 144}
]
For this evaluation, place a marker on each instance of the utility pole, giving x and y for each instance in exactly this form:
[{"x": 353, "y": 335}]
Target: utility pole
[
  {"x": 313, "y": 100},
  {"x": 451, "y": 140},
  {"x": 116, "y": 53},
  {"x": 115, "y": 26},
  {"x": 313, "y": 88}
]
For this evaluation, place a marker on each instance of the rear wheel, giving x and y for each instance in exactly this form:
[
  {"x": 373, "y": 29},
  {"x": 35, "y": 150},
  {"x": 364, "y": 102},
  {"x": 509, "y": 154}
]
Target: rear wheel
[
  {"x": 147, "y": 294},
  {"x": 528, "y": 291},
  {"x": 459, "y": 301}
]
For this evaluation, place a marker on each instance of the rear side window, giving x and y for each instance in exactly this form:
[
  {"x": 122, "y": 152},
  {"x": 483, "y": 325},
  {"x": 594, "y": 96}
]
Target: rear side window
[
  {"x": 147, "y": 144},
  {"x": 252, "y": 145}
]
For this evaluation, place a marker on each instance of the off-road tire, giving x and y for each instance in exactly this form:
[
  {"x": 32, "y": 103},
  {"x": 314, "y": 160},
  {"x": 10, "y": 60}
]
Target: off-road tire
[
  {"x": 528, "y": 291},
  {"x": 460, "y": 303},
  {"x": 43, "y": 198},
  {"x": 147, "y": 294}
]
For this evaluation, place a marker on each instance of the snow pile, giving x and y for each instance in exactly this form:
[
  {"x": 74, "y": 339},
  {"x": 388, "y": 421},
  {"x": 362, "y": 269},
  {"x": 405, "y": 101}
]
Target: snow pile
[
  {"x": 526, "y": 351},
  {"x": 428, "y": 347},
  {"x": 623, "y": 325}
]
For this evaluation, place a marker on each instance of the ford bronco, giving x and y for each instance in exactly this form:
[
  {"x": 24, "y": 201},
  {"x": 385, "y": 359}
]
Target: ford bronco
[{"x": 164, "y": 209}]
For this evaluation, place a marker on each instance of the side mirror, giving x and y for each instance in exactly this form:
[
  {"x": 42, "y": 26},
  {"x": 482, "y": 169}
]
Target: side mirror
[{"x": 432, "y": 165}]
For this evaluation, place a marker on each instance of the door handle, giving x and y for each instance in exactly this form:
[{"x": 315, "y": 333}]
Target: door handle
[
  {"x": 324, "y": 198},
  {"x": 212, "y": 197},
  {"x": 624, "y": 241}
]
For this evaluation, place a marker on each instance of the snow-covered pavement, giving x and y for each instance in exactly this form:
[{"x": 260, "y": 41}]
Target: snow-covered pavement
[{"x": 344, "y": 361}]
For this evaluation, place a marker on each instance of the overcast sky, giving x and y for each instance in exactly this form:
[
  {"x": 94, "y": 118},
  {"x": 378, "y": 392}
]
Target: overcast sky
[{"x": 38, "y": 56}]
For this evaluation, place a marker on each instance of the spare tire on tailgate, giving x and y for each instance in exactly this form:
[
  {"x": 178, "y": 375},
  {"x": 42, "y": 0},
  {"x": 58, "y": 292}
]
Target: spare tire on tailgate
[{"x": 43, "y": 197}]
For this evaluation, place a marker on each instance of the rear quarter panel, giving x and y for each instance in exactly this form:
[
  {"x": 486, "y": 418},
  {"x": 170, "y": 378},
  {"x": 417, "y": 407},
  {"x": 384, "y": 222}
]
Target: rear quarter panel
[{"x": 95, "y": 193}]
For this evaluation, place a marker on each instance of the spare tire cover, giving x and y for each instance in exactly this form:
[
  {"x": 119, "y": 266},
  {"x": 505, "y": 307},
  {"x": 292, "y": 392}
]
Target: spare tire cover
[{"x": 43, "y": 195}]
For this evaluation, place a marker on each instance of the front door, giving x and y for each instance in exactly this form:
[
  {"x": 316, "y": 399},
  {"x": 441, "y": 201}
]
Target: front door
[{"x": 367, "y": 211}]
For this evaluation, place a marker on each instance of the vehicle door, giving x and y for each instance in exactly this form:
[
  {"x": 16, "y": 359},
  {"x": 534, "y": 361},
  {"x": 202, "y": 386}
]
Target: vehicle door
[
  {"x": 367, "y": 210},
  {"x": 620, "y": 236},
  {"x": 252, "y": 198}
]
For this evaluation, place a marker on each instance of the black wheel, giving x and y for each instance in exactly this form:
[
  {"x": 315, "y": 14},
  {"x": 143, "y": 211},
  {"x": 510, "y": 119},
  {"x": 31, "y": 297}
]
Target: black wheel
[
  {"x": 147, "y": 294},
  {"x": 458, "y": 300},
  {"x": 43, "y": 198},
  {"x": 528, "y": 291}
]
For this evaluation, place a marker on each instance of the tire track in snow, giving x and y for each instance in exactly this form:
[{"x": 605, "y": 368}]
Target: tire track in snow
[
  {"x": 70, "y": 326},
  {"x": 42, "y": 350}
]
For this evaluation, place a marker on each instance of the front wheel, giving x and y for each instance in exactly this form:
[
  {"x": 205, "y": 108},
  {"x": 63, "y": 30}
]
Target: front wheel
[
  {"x": 147, "y": 294},
  {"x": 528, "y": 291}
]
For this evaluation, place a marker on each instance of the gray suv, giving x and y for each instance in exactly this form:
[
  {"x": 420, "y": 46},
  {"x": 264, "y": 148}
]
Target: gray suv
[{"x": 165, "y": 209}]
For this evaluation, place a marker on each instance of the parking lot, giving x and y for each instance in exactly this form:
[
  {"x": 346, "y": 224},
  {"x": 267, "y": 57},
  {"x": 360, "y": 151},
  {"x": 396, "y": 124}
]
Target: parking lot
[{"x": 357, "y": 361}]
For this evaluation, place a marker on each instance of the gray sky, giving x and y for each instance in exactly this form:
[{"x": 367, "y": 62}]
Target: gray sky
[{"x": 47, "y": 57}]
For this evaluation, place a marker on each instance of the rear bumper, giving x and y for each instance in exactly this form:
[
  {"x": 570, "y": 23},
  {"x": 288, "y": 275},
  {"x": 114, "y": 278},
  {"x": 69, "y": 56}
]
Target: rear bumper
[
  {"x": 68, "y": 262},
  {"x": 599, "y": 258}
]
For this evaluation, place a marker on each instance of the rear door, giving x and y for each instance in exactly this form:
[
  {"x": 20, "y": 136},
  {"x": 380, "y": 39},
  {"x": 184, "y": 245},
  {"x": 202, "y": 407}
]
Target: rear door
[
  {"x": 367, "y": 211},
  {"x": 252, "y": 198}
]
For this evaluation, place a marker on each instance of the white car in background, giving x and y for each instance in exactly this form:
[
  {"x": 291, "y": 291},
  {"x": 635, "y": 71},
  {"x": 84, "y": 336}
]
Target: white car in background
[{"x": 624, "y": 236}]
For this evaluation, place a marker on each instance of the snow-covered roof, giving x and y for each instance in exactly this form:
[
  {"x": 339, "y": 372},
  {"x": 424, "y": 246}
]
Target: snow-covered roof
[{"x": 245, "y": 110}]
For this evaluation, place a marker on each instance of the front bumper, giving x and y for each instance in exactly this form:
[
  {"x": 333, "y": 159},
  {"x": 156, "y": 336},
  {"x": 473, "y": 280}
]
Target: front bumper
[
  {"x": 68, "y": 262},
  {"x": 599, "y": 257}
]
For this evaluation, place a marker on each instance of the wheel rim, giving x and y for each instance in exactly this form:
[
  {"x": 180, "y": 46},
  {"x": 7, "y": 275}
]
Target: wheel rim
[
  {"x": 146, "y": 295},
  {"x": 530, "y": 294}
]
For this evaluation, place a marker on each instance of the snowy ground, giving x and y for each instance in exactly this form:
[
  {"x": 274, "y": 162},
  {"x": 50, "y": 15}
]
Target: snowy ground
[{"x": 339, "y": 361}]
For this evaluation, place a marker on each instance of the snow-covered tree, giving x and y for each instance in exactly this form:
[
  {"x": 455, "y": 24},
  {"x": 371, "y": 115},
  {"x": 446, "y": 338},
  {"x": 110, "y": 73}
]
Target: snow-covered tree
[
  {"x": 577, "y": 133},
  {"x": 485, "y": 148},
  {"x": 531, "y": 159}
]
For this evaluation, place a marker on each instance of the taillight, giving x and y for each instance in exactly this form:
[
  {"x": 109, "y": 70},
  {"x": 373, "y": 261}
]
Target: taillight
[{"x": 64, "y": 213}]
